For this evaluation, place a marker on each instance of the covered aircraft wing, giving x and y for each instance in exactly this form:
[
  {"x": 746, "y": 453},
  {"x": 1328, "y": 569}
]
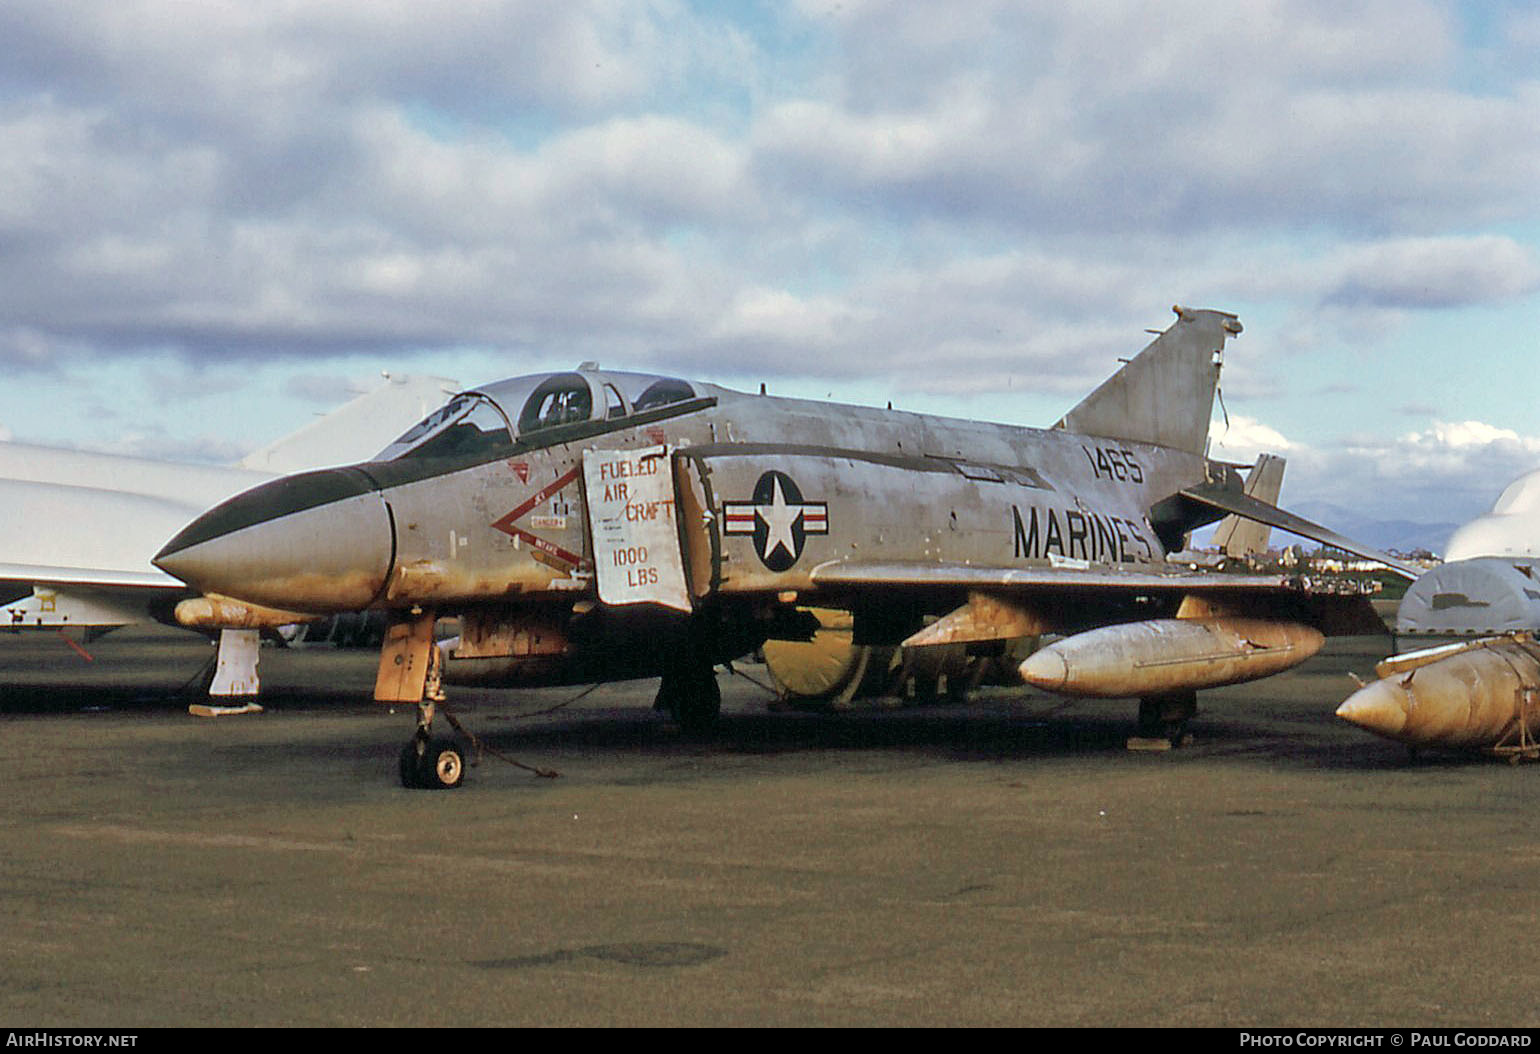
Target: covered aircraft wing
[
  {"x": 1225, "y": 500},
  {"x": 76, "y": 555},
  {"x": 30, "y": 573}
]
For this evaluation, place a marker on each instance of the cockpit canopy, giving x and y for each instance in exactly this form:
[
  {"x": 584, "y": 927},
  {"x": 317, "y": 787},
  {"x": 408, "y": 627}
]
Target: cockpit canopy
[{"x": 489, "y": 420}]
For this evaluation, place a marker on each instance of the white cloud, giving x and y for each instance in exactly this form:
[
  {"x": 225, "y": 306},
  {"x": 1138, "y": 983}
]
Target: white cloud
[
  {"x": 330, "y": 177},
  {"x": 1436, "y": 272},
  {"x": 25, "y": 346},
  {"x": 1129, "y": 116},
  {"x": 219, "y": 57},
  {"x": 1460, "y": 446},
  {"x": 995, "y": 202},
  {"x": 1242, "y": 438},
  {"x": 1449, "y": 472}
]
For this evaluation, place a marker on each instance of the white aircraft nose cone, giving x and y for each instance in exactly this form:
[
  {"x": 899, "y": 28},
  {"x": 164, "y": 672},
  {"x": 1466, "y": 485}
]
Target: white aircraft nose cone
[
  {"x": 1379, "y": 707},
  {"x": 318, "y": 542}
]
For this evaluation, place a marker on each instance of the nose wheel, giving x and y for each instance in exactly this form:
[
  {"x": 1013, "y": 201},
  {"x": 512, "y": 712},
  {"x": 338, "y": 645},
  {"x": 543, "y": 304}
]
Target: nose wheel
[
  {"x": 428, "y": 762},
  {"x": 432, "y": 764}
]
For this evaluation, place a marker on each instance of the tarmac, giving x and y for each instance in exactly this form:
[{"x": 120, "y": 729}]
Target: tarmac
[{"x": 1000, "y": 862}]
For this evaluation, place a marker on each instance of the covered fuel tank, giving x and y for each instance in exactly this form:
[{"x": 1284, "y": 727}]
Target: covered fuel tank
[
  {"x": 1162, "y": 656},
  {"x": 1478, "y": 695}
]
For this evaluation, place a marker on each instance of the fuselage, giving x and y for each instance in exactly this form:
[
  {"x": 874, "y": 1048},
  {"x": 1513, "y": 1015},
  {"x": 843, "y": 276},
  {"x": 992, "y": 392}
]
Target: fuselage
[{"x": 487, "y": 500}]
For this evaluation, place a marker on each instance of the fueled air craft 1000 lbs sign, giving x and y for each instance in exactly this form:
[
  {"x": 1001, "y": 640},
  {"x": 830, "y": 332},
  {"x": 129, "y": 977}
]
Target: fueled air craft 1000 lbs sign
[{"x": 635, "y": 537}]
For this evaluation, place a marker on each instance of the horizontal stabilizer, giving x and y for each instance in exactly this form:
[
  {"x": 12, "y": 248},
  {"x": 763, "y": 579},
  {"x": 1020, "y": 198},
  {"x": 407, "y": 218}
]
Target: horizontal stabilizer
[{"x": 1230, "y": 501}]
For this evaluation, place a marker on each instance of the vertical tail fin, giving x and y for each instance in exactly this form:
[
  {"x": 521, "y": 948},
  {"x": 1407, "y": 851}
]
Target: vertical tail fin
[
  {"x": 1240, "y": 537},
  {"x": 1165, "y": 394}
]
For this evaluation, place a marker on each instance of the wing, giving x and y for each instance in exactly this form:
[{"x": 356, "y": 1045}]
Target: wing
[
  {"x": 74, "y": 576},
  {"x": 1004, "y": 602},
  {"x": 1064, "y": 578},
  {"x": 79, "y": 556}
]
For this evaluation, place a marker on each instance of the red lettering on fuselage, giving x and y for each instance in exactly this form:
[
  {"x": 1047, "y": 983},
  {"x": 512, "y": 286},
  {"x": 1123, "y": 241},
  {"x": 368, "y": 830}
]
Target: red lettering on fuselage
[
  {"x": 626, "y": 469},
  {"x": 638, "y": 511}
]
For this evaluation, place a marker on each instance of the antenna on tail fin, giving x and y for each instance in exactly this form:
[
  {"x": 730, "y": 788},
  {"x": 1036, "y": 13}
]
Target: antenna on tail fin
[{"x": 1165, "y": 394}]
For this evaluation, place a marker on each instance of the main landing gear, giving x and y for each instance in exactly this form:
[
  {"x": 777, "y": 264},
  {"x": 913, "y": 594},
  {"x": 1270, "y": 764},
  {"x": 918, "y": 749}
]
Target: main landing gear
[
  {"x": 689, "y": 694},
  {"x": 1163, "y": 721}
]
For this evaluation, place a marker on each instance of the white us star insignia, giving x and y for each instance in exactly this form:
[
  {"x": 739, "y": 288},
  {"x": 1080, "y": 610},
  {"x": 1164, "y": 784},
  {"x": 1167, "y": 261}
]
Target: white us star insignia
[{"x": 778, "y": 518}]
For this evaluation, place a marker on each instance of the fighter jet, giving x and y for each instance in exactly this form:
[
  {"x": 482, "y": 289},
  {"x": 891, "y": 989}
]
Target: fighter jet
[{"x": 593, "y": 525}]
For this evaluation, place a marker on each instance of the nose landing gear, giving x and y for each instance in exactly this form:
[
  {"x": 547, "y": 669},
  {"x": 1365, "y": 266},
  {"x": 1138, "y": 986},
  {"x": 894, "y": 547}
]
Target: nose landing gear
[{"x": 432, "y": 764}]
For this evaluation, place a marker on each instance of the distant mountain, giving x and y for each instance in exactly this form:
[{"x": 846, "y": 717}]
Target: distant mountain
[{"x": 1401, "y": 535}]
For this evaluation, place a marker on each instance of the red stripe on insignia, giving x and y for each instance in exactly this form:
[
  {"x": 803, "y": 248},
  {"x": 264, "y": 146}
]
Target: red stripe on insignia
[{"x": 737, "y": 518}]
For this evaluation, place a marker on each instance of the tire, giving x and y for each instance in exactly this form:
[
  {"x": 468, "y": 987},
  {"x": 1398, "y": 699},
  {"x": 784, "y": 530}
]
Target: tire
[
  {"x": 442, "y": 767},
  {"x": 697, "y": 706},
  {"x": 411, "y": 766}
]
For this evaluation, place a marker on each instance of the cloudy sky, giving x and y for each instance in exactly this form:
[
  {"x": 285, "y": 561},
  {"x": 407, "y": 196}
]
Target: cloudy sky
[{"x": 216, "y": 216}]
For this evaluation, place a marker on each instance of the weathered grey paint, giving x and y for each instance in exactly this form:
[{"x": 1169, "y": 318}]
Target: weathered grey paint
[
  {"x": 1135, "y": 403},
  {"x": 891, "y": 485}
]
